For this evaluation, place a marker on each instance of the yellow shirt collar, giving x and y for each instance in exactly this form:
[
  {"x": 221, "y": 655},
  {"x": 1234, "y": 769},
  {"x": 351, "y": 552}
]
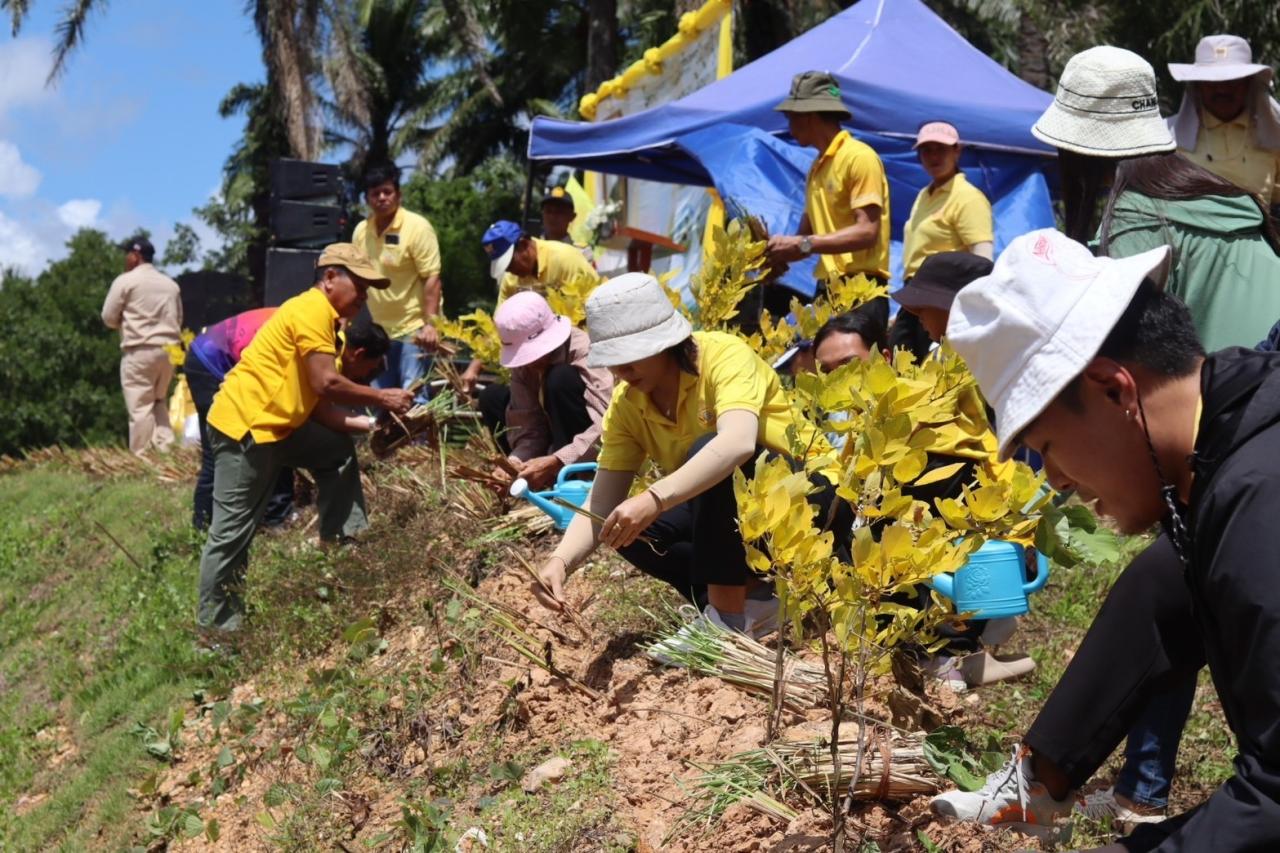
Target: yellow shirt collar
[
  {"x": 836, "y": 141},
  {"x": 397, "y": 222},
  {"x": 1210, "y": 121}
]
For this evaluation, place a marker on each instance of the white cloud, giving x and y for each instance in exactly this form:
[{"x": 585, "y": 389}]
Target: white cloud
[
  {"x": 18, "y": 179},
  {"x": 20, "y": 248},
  {"x": 24, "y": 67},
  {"x": 80, "y": 212}
]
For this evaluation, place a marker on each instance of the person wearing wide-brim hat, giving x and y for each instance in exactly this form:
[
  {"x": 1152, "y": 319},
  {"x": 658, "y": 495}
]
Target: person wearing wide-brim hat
[
  {"x": 846, "y": 208},
  {"x": 1228, "y": 122},
  {"x": 1106, "y": 124},
  {"x": 698, "y": 405},
  {"x": 549, "y": 416}
]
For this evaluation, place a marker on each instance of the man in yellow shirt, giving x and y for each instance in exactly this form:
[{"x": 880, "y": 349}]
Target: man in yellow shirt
[
  {"x": 403, "y": 247},
  {"x": 520, "y": 262},
  {"x": 846, "y": 218},
  {"x": 277, "y": 407},
  {"x": 1228, "y": 122}
]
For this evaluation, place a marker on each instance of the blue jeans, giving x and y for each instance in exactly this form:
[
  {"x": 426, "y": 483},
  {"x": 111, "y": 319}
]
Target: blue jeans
[
  {"x": 1151, "y": 751},
  {"x": 406, "y": 362}
]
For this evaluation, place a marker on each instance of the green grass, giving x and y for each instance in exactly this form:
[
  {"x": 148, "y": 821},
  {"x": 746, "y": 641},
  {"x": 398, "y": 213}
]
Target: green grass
[{"x": 89, "y": 644}]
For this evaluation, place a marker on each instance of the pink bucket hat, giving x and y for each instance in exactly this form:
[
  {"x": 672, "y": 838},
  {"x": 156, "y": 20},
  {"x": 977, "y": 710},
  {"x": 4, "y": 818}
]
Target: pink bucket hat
[
  {"x": 528, "y": 329},
  {"x": 937, "y": 131}
]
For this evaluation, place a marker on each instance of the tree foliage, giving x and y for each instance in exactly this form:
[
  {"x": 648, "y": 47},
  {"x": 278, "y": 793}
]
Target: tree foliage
[{"x": 59, "y": 365}]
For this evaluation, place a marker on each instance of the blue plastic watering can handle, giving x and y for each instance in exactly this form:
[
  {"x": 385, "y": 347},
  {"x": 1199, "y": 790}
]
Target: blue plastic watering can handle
[
  {"x": 573, "y": 469},
  {"x": 1042, "y": 572}
]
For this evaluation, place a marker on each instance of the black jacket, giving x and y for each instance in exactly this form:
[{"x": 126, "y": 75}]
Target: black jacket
[{"x": 1233, "y": 569}]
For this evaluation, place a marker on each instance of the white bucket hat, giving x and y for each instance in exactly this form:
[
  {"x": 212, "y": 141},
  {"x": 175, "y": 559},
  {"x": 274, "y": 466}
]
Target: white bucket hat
[
  {"x": 630, "y": 318},
  {"x": 1037, "y": 321},
  {"x": 1219, "y": 58},
  {"x": 1106, "y": 106}
]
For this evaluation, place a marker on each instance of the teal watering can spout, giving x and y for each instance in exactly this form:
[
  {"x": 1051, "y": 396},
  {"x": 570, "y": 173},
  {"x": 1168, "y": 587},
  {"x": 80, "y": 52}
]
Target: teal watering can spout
[
  {"x": 945, "y": 584},
  {"x": 571, "y": 491}
]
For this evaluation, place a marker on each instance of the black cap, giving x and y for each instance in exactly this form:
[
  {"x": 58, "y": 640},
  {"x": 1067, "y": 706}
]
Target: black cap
[
  {"x": 557, "y": 196},
  {"x": 940, "y": 278},
  {"x": 141, "y": 245}
]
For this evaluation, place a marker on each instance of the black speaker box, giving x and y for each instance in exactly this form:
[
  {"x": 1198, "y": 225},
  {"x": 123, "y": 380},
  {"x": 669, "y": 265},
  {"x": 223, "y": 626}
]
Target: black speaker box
[
  {"x": 300, "y": 179},
  {"x": 289, "y": 272},
  {"x": 306, "y": 222}
]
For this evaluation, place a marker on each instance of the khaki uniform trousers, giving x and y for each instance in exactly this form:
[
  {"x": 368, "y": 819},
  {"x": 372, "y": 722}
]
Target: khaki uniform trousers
[{"x": 145, "y": 375}]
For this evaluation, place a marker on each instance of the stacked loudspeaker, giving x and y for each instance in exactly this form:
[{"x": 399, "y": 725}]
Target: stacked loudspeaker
[{"x": 307, "y": 213}]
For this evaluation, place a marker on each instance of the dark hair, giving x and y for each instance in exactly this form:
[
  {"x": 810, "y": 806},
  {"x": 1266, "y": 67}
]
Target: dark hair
[
  {"x": 1172, "y": 177},
  {"x": 368, "y": 336},
  {"x": 833, "y": 116},
  {"x": 320, "y": 271},
  {"x": 1155, "y": 333},
  {"x": 379, "y": 174},
  {"x": 1166, "y": 176},
  {"x": 853, "y": 322},
  {"x": 686, "y": 355}
]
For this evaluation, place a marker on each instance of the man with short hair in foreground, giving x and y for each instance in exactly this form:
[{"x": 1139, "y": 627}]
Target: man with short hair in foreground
[
  {"x": 275, "y": 408},
  {"x": 1089, "y": 363}
]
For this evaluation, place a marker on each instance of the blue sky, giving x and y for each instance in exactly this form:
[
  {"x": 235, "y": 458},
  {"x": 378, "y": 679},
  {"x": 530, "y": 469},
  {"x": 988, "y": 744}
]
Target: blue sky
[{"x": 130, "y": 135}]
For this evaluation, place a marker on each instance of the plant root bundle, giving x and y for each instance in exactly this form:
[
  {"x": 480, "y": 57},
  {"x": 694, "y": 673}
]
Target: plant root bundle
[
  {"x": 707, "y": 649},
  {"x": 425, "y": 422},
  {"x": 177, "y": 465}
]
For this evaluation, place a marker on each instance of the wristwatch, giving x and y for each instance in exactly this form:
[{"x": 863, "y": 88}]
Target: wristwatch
[{"x": 806, "y": 245}]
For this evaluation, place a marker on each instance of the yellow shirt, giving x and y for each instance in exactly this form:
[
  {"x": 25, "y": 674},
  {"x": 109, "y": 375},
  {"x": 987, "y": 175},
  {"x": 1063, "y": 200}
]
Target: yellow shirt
[
  {"x": 845, "y": 177},
  {"x": 267, "y": 394},
  {"x": 558, "y": 264},
  {"x": 408, "y": 254},
  {"x": 950, "y": 219},
  {"x": 1227, "y": 149},
  {"x": 730, "y": 377}
]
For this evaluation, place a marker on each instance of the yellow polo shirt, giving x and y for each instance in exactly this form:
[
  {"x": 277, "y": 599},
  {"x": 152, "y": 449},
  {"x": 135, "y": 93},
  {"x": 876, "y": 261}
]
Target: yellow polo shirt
[
  {"x": 558, "y": 263},
  {"x": 730, "y": 376},
  {"x": 408, "y": 254},
  {"x": 950, "y": 219},
  {"x": 267, "y": 394},
  {"x": 845, "y": 177},
  {"x": 1227, "y": 149}
]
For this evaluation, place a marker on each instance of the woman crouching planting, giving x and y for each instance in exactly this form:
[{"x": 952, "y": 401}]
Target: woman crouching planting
[{"x": 700, "y": 405}]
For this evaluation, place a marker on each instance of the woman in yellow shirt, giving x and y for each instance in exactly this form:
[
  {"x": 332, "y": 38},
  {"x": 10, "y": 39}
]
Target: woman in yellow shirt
[
  {"x": 700, "y": 405},
  {"x": 949, "y": 215}
]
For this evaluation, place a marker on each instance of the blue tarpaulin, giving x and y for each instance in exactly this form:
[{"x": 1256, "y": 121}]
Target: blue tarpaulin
[{"x": 898, "y": 65}]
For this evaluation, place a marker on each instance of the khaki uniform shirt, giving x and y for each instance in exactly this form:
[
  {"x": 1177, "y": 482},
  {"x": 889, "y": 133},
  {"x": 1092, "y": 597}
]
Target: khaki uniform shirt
[{"x": 146, "y": 306}]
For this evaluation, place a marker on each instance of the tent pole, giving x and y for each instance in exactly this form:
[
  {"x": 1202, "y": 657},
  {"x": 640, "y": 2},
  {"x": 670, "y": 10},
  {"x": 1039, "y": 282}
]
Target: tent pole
[{"x": 528, "y": 193}]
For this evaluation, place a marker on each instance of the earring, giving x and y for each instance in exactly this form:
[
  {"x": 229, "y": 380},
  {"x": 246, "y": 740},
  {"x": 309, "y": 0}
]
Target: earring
[{"x": 1128, "y": 413}]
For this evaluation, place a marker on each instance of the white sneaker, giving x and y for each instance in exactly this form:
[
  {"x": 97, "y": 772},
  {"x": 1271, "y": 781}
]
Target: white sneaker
[
  {"x": 1125, "y": 818},
  {"x": 1010, "y": 798},
  {"x": 947, "y": 670},
  {"x": 762, "y": 617}
]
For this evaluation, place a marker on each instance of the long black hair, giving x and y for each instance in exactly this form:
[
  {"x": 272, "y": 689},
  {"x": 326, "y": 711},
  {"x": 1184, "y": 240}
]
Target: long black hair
[{"x": 1167, "y": 176}]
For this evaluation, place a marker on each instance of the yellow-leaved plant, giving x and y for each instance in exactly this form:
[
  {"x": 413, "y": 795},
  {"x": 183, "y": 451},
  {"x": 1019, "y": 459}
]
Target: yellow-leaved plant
[
  {"x": 477, "y": 333},
  {"x": 905, "y": 427}
]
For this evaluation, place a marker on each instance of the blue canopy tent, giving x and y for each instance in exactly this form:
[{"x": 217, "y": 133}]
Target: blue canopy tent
[{"x": 898, "y": 64}]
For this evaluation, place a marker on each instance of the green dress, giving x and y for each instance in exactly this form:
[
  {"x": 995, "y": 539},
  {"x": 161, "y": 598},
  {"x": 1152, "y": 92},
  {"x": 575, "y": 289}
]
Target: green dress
[{"x": 1223, "y": 268}]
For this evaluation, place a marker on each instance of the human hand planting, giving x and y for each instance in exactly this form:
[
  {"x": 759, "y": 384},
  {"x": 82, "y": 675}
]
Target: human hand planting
[
  {"x": 630, "y": 519},
  {"x": 549, "y": 587}
]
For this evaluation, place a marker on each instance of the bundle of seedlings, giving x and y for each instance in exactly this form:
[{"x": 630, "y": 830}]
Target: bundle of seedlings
[
  {"x": 425, "y": 423},
  {"x": 708, "y": 649},
  {"x": 891, "y": 766}
]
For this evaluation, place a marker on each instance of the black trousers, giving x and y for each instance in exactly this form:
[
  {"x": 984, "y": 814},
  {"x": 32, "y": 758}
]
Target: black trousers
[
  {"x": 1143, "y": 643},
  {"x": 203, "y": 385},
  {"x": 700, "y": 540},
  {"x": 564, "y": 399}
]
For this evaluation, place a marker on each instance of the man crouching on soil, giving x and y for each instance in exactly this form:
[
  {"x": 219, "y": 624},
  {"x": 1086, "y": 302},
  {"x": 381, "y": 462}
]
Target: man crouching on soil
[
  {"x": 261, "y": 420},
  {"x": 1090, "y": 364}
]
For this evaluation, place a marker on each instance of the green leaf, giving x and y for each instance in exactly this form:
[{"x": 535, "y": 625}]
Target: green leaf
[
  {"x": 192, "y": 825},
  {"x": 927, "y": 843},
  {"x": 266, "y": 821},
  {"x": 1080, "y": 517},
  {"x": 211, "y": 830},
  {"x": 225, "y": 758},
  {"x": 321, "y": 756}
]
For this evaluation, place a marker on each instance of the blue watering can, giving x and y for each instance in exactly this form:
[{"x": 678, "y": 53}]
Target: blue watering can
[
  {"x": 572, "y": 491},
  {"x": 992, "y": 584}
]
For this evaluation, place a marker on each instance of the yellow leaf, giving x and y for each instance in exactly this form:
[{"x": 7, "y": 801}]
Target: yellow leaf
[{"x": 937, "y": 475}]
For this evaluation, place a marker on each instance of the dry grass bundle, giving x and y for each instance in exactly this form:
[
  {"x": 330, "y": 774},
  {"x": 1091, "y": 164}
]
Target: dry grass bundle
[
  {"x": 425, "y": 422},
  {"x": 893, "y": 768},
  {"x": 177, "y": 465},
  {"x": 708, "y": 649}
]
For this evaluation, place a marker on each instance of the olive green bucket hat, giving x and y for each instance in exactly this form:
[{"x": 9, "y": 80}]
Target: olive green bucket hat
[{"x": 814, "y": 92}]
